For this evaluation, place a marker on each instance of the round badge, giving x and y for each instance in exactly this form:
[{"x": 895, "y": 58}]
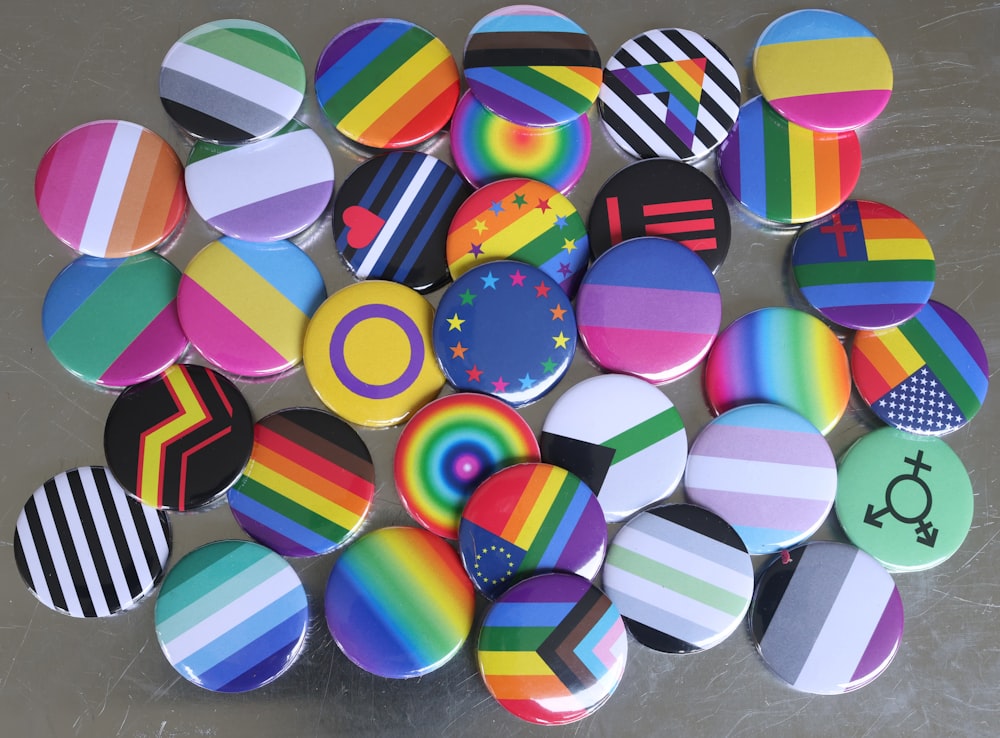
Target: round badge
[
  {"x": 387, "y": 83},
  {"x": 110, "y": 188},
  {"x": 245, "y": 306},
  {"x": 398, "y": 603},
  {"x": 231, "y": 616},
  {"x": 681, "y": 577},
  {"x": 552, "y": 649},
  {"x": 904, "y": 499},
  {"x": 506, "y": 329},
  {"x": 262, "y": 191},
  {"x": 87, "y": 549},
  {"x": 782, "y": 356},
  {"x": 114, "y": 321},
  {"x": 622, "y": 437},
  {"x": 670, "y": 93},
  {"x": 826, "y": 618},
  {"x": 487, "y": 148},
  {"x": 391, "y": 218},
  {"x": 649, "y": 307},
  {"x": 308, "y": 485},
  {"x": 449, "y": 447},
  {"x": 765, "y": 469},
  {"x": 822, "y": 70},
  {"x": 179, "y": 440},
  {"x": 783, "y": 172},
  {"x": 368, "y": 353},
  {"x": 528, "y": 519},
  {"x": 524, "y": 220},
  {"x": 865, "y": 265},
  {"x": 928, "y": 375},
  {"x": 232, "y": 81},
  {"x": 532, "y": 66},
  {"x": 661, "y": 197}
]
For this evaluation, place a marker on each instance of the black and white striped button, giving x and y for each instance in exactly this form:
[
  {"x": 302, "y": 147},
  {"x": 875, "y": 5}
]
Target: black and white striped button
[{"x": 86, "y": 548}]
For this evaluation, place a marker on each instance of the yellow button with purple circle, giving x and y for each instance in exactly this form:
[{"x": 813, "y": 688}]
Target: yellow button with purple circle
[
  {"x": 782, "y": 356},
  {"x": 368, "y": 353},
  {"x": 111, "y": 188},
  {"x": 822, "y": 70},
  {"x": 245, "y": 306}
]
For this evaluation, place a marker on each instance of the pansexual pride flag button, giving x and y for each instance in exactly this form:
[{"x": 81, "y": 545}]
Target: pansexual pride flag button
[
  {"x": 866, "y": 265},
  {"x": 822, "y": 70},
  {"x": 784, "y": 172}
]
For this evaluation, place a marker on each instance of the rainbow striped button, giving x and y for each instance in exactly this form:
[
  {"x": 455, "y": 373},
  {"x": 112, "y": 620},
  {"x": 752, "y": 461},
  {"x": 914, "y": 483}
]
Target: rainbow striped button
[
  {"x": 928, "y": 375},
  {"x": 308, "y": 485},
  {"x": 865, "y": 265},
  {"x": 398, "y": 603},
  {"x": 552, "y": 649},
  {"x": 110, "y": 188},
  {"x": 786, "y": 173},
  {"x": 782, "y": 356},
  {"x": 767, "y": 471},
  {"x": 245, "y": 306},
  {"x": 528, "y": 519},
  {"x": 231, "y": 616},
  {"x": 387, "y": 83},
  {"x": 822, "y": 70},
  {"x": 114, "y": 321}
]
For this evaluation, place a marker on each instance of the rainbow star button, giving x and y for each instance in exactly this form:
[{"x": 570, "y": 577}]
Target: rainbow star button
[{"x": 822, "y": 70}]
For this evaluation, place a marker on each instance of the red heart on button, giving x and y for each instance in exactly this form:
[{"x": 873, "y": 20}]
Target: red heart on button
[{"x": 362, "y": 226}]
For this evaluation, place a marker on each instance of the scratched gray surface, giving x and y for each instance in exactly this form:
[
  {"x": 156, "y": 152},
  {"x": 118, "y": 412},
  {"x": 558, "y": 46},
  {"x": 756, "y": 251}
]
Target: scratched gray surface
[{"x": 932, "y": 154}]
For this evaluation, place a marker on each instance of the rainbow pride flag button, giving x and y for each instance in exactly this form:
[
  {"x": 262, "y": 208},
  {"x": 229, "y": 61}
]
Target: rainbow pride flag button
[
  {"x": 784, "y": 172},
  {"x": 823, "y": 70}
]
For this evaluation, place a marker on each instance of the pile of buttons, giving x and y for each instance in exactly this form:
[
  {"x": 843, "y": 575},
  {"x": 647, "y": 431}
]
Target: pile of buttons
[{"x": 513, "y": 256}]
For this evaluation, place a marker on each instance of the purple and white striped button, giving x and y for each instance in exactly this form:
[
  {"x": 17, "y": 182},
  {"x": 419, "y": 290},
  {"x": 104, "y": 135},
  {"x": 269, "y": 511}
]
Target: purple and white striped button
[
  {"x": 768, "y": 471},
  {"x": 827, "y": 618}
]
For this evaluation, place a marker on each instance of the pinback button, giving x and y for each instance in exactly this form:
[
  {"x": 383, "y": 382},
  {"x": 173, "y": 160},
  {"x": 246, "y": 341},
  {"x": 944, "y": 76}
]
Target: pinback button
[
  {"x": 864, "y": 266},
  {"x": 387, "y": 83},
  {"x": 532, "y": 66},
  {"x": 928, "y": 375},
  {"x": 528, "y": 519},
  {"x": 449, "y": 447},
  {"x": 506, "y": 329},
  {"x": 110, "y": 188},
  {"x": 85, "y": 548},
  {"x": 765, "y": 469},
  {"x": 822, "y": 70},
  {"x": 681, "y": 577},
  {"x": 784, "y": 173},
  {"x": 231, "y": 616},
  {"x": 622, "y": 437},
  {"x": 368, "y": 353},
  {"x": 904, "y": 499},
  {"x": 391, "y": 218},
  {"x": 826, "y": 618},
  {"x": 487, "y": 148},
  {"x": 179, "y": 440},
  {"x": 661, "y": 197},
  {"x": 398, "y": 603},
  {"x": 264, "y": 190},
  {"x": 232, "y": 81},
  {"x": 524, "y": 636},
  {"x": 114, "y": 321},
  {"x": 308, "y": 485},
  {"x": 524, "y": 220},
  {"x": 670, "y": 93},
  {"x": 782, "y": 356},
  {"x": 245, "y": 306},
  {"x": 649, "y": 307}
]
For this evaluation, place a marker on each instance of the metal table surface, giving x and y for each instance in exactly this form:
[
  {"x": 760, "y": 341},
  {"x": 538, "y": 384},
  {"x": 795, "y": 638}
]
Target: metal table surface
[{"x": 934, "y": 154}]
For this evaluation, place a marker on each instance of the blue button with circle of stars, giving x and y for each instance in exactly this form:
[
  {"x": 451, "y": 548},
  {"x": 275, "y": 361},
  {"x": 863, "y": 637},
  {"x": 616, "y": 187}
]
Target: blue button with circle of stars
[{"x": 507, "y": 329}]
